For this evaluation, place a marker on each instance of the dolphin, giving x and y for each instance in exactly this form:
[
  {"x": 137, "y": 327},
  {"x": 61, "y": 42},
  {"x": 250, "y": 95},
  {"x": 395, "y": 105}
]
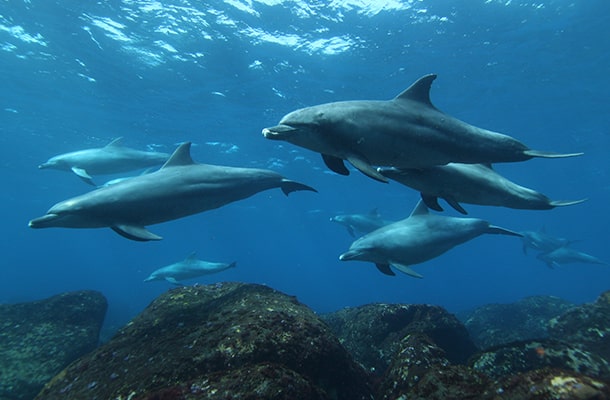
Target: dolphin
[
  {"x": 420, "y": 237},
  {"x": 180, "y": 188},
  {"x": 363, "y": 223},
  {"x": 188, "y": 268},
  {"x": 470, "y": 183},
  {"x": 113, "y": 158},
  {"x": 542, "y": 241},
  {"x": 567, "y": 255},
  {"x": 405, "y": 132}
]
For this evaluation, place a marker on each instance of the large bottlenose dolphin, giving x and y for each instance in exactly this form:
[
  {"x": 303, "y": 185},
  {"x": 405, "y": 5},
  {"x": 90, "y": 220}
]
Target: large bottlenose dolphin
[
  {"x": 189, "y": 268},
  {"x": 180, "y": 188},
  {"x": 405, "y": 132},
  {"x": 567, "y": 255},
  {"x": 362, "y": 223},
  {"x": 418, "y": 238},
  {"x": 470, "y": 183},
  {"x": 111, "y": 159}
]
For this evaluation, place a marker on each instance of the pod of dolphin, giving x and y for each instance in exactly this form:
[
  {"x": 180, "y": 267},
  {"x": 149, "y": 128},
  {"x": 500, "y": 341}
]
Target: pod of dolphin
[{"x": 406, "y": 139}]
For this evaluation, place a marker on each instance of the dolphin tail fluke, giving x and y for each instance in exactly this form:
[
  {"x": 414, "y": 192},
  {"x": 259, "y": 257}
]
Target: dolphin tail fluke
[
  {"x": 496, "y": 230},
  {"x": 233, "y": 264},
  {"x": 562, "y": 203},
  {"x": 549, "y": 154},
  {"x": 289, "y": 186}
]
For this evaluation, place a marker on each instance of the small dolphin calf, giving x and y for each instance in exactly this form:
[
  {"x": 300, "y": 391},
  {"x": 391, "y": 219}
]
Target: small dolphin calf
[
  {"x": 188, "y": 268},
  {"x": 405, "y": 132},
  {"x": 180, "y": 188},
  {"x": 542, "y": 241},
  {"x": 418, "y": 238},
  {"x": 362, "y": 223},
  {"x": 470, "y": 183},
  {"x": 111, "y": 159},
  {"x": 567, "y": 255}
]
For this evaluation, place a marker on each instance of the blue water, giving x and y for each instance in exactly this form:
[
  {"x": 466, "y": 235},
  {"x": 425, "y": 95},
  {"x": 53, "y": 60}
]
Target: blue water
[{"x": 76, "y": 74}]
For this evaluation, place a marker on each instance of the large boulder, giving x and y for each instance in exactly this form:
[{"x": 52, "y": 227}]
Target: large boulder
[
  {"x": 40, "y": 338},
  {"x": 587, "y": 326},
  {"x": 225, "y": 341},
  {"x": 496, "y": 324},
  {"x": 373, "y": 332}
]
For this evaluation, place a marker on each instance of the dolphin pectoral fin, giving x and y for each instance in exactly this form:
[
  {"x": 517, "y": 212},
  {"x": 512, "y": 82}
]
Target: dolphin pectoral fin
[
  {"x": 137, "y": 233},
  {"x": 289, "y": 186},
  {"x": 335, "y": 164},
  {"x": 81, "y": 173},
  {"x": 385, "y": 269},
  {"x": 562, "y": 203},
  {"x": 549, "y": 154},
  {"x": 407, "y": 270},
  {"x": 366, "y": 168},
  {"x": 496, "y": 230},
  {"x": 350, "y": 230},
  {"x": 431, "y": 201},
  {"x": 451, "y": 201},
  {"x": 173, "y": 280}
]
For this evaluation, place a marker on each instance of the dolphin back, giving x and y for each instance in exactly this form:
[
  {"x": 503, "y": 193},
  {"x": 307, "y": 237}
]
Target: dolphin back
[
  {"x": 289, "y": 186},
  {"x": 496, "y": 230}
]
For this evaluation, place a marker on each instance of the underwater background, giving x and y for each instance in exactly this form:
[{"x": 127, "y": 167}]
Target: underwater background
[{"x": 75, "y": 75}]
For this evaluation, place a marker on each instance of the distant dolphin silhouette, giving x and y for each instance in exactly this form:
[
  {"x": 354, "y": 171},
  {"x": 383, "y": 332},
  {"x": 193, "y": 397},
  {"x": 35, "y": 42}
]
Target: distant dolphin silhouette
[
  {"x": 405, "y": 132},
  {"x": 470, "y": 183},
  {"x": 180, "y": 188},
  {"x": 362, "y": 223},
  {"x": 542, "y": 241},
  {"x": 420, "y": 237},
  {"x": 188, "y": 268},
  {"x": 110, "y": 159},
  {"x": 567, "y": 255}
]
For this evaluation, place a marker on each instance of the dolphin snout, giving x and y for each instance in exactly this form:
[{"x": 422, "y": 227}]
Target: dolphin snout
[
  {"x": 43, "y": 222},
  {"x": 349, "y": 255},
  {"x": 276, "y": 132}
]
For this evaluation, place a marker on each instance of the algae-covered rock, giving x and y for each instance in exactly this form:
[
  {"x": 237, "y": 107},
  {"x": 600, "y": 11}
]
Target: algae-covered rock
[
  {"x": 221, "y": 338},
  {"x": 502, "y": 361},
  {"x": 496, "y": 324},
  {"x": 587, "y": 326},
  {"x": 40, "y": 338},
  {"x": 551, "y": 384},
  {"x": 420, "y": 371},
  {"x": 372, "y": 332}
]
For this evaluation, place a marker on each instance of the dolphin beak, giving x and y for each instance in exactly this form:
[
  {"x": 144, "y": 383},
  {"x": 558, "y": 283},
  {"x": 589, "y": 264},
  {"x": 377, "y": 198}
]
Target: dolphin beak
[
  {"x": 278, "y": 131},
  {"x": 43, "y": 222},
  {"x": 349, "y": 255},
  {"x": 43, "y": 166}
]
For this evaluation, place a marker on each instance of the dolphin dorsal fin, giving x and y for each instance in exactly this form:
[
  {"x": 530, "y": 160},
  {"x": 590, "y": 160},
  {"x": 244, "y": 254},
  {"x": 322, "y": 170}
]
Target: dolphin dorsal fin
[
  {"x": 419, "y": 91},
  {"x": 181, "y": 156},
  {"x": 191, "y": 257},
  {"x": 116, "y": 142},
  {"x": 420, "y": 209}
]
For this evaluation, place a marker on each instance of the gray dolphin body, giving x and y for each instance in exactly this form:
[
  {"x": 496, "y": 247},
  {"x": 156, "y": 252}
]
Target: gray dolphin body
[
  {"x": 470, "y": 183},
  {"x": 111, "y": 159},
  {"x": 362, "y": 223},
  {"x": 180, "y": 188},
  {"x": 405, "y": 132},
  {"x": 542, "y": 241},
  {"x": 188, "y": 268},
  {"x": 567, "y": 255},
  {"x": 420, "y": 237}
]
